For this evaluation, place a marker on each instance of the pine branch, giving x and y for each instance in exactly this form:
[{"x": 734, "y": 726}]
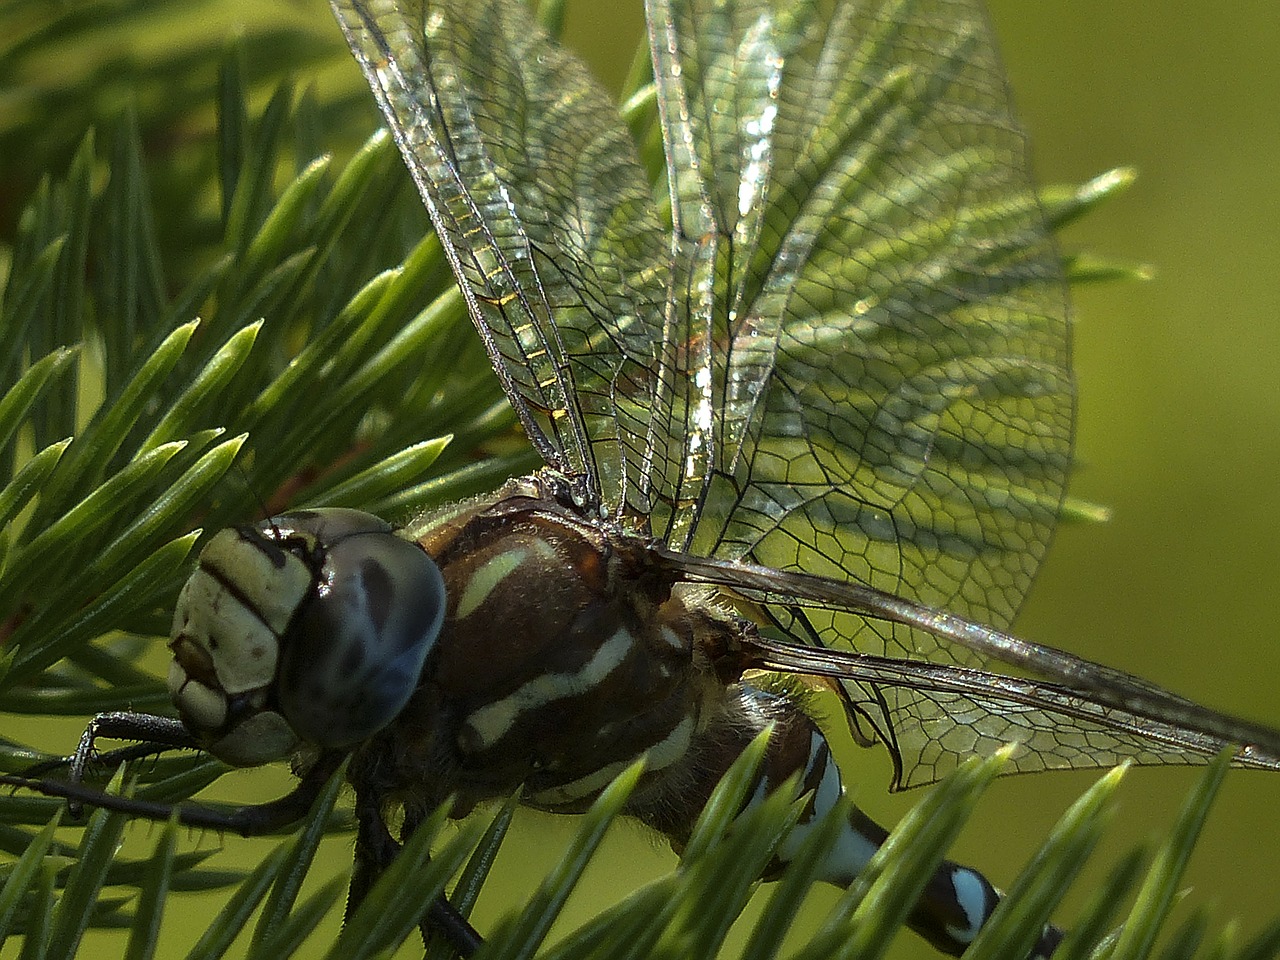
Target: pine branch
[{"x": 199, "y": 323}]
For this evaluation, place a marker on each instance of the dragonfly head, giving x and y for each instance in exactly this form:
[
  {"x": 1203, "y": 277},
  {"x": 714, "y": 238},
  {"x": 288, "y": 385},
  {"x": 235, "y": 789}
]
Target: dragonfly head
[{"x": 310, "y": 628}]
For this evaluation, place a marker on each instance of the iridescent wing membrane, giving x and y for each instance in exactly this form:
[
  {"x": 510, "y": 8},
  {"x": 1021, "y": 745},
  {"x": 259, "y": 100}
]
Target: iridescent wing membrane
[
  {"x": 546, "y": 216},
  {"x": 890, "y": 365},
  {"x": 842, "y": 356}
]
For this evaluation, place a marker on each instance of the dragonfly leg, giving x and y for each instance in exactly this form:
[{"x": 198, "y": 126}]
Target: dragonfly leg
[
  {"x": 145, "y": 728},
  {"x": 108, "y": 760},
  {"x": 957, "y": 900},
  {"x": 375, "y": 851},
  {"x": 154, "y": 734},
  {"x": 248, "y": 821}
]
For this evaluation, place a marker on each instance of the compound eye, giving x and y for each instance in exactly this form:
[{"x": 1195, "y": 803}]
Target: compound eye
[
  {"x": 311, "y": 626},
  {"x": 354, "y": 654},
  {"x": 324, "y": 525}
]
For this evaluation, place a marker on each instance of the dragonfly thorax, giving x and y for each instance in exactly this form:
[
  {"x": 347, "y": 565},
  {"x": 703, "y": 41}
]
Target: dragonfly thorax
[
  {"x": 562, "y": 658},
  {"x": 307, "y": 629}
]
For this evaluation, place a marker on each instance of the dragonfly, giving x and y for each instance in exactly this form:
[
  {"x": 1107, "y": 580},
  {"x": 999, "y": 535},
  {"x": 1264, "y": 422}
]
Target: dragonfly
[{"x": 806, "y": 408}]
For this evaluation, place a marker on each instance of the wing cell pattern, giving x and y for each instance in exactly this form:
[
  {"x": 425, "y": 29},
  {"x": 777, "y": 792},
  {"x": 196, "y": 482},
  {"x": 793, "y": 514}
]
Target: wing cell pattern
[
  {"x": 832, "y": 341},
  {"x": 932, "y": 716},
  {"x": 890, "y": 369},
  {"x": 548, "y": 219},
  {"x": 890, "y": 363}
]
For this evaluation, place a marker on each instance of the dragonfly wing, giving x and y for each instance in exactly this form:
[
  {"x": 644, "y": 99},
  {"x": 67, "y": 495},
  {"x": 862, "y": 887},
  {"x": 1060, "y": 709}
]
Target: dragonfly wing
[
  {"x": 960, "y": 712},
  {"x": 548, "y": 220},
  {"x": 1062, "y": 711},
  {"x": 876, "y": 335}
]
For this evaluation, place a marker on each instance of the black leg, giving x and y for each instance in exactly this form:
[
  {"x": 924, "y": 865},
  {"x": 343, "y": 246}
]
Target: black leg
[
  {"x": 443, "y": 919},
  {"x": 109, "y": 760},
  {"x": 154, "y": 735},
  {"x": 375, "y": 850},
  {"x": 248, "y": 821},
  {"x": 145, "y": 728}
]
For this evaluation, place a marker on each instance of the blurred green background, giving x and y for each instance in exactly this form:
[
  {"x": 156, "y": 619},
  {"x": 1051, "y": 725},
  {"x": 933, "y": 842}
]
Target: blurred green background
[{"x": 1179, "y": 426}]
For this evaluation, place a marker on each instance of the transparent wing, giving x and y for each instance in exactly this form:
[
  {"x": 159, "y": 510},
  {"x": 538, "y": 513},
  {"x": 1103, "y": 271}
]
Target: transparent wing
[
  {"x": 881, "y": 312},
  {"x": 847, "y": 357},
  {"x": 548, "y": 220},
  {"x": 880, "y": 325},
  {"x": 1062, "y": 711},
  {"x": 970, "y": 712}
]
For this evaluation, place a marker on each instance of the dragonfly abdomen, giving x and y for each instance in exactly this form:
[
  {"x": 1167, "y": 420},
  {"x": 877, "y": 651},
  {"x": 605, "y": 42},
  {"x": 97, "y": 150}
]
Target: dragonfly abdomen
[{"x": 955, "y": 904}]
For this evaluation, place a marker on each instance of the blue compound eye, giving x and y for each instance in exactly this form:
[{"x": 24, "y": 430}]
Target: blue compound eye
[
  {"x": 311, "y": 627},
  {"x": 353, "y": 655}
]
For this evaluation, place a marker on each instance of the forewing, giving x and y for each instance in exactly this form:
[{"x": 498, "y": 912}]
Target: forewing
[
  {"x": 546, "y": 216},
  {"x": 875, "y": 325},
  {"x": 877, "y": 321}
]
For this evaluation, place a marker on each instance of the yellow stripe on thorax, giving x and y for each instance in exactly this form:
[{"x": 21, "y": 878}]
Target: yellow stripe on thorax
[
  {"x": 493, "y": 572},
  {"x": 490, "y": 723}
]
